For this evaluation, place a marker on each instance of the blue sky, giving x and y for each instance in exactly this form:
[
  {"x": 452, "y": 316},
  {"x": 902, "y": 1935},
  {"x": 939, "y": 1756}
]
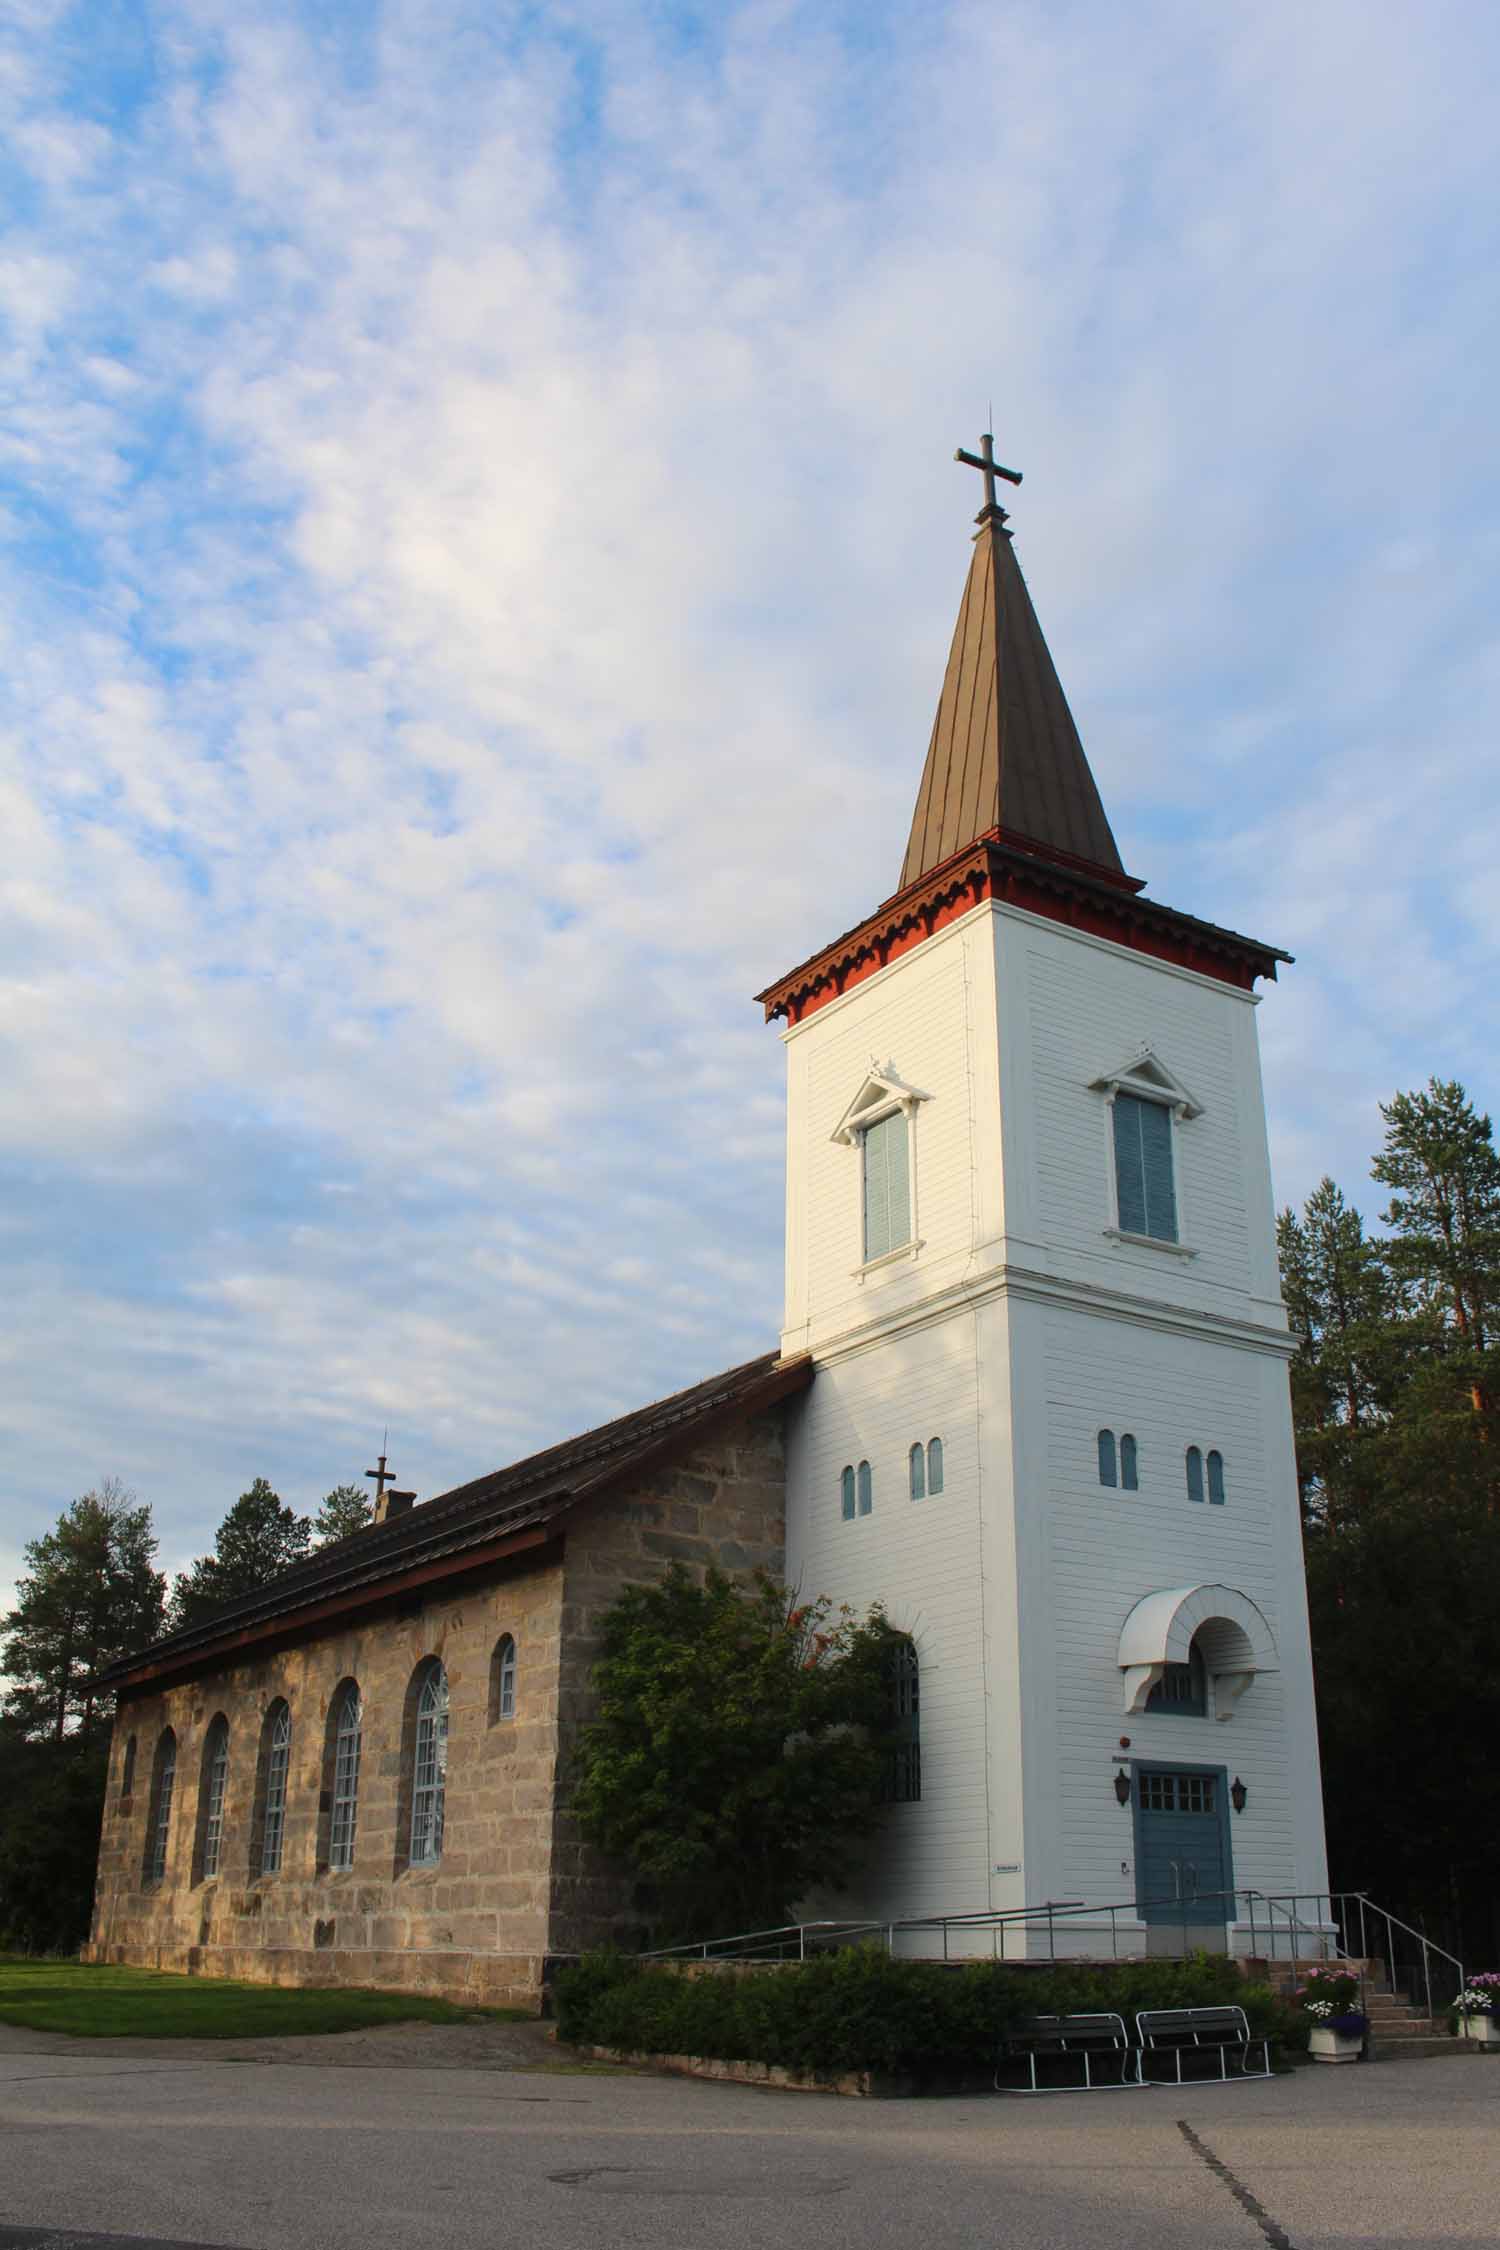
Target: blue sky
[{"x": 478, "y": 546}]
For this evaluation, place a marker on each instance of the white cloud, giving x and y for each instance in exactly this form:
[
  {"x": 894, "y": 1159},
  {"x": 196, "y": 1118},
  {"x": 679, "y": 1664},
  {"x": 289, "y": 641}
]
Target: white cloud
[{"x": 484, "y": 557}]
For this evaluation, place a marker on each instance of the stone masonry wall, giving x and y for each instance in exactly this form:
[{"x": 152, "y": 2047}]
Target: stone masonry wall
[
  {"x": 473, "y": 1927},
  {"x": 723, "y": 1504}
]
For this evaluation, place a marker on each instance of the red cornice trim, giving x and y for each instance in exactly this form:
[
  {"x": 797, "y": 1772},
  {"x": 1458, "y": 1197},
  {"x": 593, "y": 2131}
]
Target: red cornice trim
[{"x": 1009, "y": 869}]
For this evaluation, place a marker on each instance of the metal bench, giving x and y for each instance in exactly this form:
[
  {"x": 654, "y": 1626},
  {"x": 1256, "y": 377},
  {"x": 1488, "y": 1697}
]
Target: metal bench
[
  {"x": 1074, "y": 2040},
  {"x": 1198, "y": 2031}
]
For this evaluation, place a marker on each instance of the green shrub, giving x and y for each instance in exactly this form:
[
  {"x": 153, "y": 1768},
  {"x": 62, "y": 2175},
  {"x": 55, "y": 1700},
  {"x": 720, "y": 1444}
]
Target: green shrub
[{"x": 859, "y": 2010}]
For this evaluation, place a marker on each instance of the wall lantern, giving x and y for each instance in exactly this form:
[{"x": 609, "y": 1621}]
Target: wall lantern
[
  {"x": 1238, "y": 1794},
  {"x": 1122, "y": 1787}
]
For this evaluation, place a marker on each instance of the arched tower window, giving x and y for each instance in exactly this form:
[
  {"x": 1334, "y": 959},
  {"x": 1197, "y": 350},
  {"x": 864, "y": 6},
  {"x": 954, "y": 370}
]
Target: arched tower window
[
  {"x": 866, "y": 1488},
  {"x": 503, "y": 1680},
  {"x": 1128, "y": 1478},
  {"x": 1106, "y": 1457},
  {"x": 345, "y": 1738},
  {"x": 1216, "y": 1480},
  {"x": 1194, "y": 1473},
  {"x": 916, "y": 1472},
  {"x": 904, "y": 1774},
  {"x": 1182, "y": 1688},
  {"x": 429, "y": 1770},
  {"x": 935, "y": 1465},
  {"x": 211, "y": 1788},
  {"x": 127, "y": 1770},
  {"x": 159, "y": 1825},
  {"x": 846, "y": 1494},
  {"x": 276, "y": 1756}
]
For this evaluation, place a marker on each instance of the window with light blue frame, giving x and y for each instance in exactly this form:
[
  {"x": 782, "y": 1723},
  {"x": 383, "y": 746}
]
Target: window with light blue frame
[
  {"x": 1194, "y": 1473},
  {"x": 846, "y": 1493},
  {"x": 916, "y": 1472},
  {"x": 886, "y": 1158},
  {"x": 1145, "y": 1194},
  {"x": 864, "y": 1485},
  {"x": 1216, "y": 1480},
  {"x": 1182, "y": 1689},
  {"x": 1108, "y": 1457},
  {"x": 1129, "y": 1474},
  {"x": 934, "y": 1465}
]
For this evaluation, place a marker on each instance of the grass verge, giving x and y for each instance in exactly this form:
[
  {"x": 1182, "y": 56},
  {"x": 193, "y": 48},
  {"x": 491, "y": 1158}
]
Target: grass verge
[{"x": 94, "y": 2002}]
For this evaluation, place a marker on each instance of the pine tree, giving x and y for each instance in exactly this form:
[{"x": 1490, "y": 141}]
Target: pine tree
[
  {"x": 90, "y": 1594},
  {"x": 345, "y": 1510},
  {"x": 1340, "y": 1300},
  {"x": 1441, "y": 1161},
  {"x": 258, "y": 1539}
]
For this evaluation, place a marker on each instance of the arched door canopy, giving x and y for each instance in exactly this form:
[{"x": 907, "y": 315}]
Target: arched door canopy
[{"x": 1235, "y": 1640}]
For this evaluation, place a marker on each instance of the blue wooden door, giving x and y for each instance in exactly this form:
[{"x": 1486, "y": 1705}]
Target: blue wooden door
[{"x": 1182, "y": 1869}]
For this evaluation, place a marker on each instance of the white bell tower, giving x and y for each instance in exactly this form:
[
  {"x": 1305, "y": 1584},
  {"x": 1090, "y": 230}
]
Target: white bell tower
[{"x": 1031, "y": 1249}]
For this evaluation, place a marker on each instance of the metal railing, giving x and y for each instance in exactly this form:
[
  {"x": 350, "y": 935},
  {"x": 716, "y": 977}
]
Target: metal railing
[{"x": 1290, "y": 1926}]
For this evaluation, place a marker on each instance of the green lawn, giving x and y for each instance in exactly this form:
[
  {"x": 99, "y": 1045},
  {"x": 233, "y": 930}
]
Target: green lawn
[{"x": 105, "y": 2003}]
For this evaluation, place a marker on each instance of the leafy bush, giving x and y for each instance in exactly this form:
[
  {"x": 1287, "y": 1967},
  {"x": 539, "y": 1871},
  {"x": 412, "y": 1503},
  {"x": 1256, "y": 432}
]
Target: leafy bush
[{"x": 859, "y": 2010}]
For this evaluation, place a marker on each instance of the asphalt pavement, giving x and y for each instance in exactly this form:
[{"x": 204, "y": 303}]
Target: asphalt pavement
[{"x": 337, "y": 2147}]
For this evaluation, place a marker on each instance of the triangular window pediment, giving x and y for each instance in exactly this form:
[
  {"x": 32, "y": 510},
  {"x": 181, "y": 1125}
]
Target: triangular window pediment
[
  {"x": 882, "y": 1091},
  {"x": 1146, "y": 1075}
]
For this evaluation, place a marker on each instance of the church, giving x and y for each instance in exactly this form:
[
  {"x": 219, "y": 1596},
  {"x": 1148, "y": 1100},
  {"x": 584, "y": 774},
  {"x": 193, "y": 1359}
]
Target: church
[{"x": 1030, "y": 1395}]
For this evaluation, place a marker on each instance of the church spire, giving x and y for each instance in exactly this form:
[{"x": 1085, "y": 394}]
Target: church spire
[{"x": 1004, "y": 752}]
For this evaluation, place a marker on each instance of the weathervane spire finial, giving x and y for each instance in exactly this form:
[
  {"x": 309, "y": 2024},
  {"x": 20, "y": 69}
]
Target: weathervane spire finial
[{"x": 984, "y": 460}]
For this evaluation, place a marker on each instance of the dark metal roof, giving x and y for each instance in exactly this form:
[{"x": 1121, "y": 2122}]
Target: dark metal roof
[
  {"x": 529, "y": 1497},
  {"x": 1005, "y": 752}
]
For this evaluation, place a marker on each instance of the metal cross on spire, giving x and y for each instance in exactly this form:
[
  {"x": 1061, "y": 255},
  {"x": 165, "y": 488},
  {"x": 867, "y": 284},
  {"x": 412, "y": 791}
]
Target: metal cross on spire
[{"x": 984, "y": 460}]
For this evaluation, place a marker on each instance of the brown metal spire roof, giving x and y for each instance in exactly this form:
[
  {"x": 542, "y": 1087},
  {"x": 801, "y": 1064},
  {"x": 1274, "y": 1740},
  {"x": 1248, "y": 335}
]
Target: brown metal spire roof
[{"x": 1004, "y": 751}]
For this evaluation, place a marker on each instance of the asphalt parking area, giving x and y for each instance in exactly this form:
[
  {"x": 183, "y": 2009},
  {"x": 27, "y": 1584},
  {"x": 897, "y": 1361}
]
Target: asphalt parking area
[{"x": 353, "y": 2150}]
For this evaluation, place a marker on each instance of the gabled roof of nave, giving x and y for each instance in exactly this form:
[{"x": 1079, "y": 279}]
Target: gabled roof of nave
[{"x": 526, "y": 1503}]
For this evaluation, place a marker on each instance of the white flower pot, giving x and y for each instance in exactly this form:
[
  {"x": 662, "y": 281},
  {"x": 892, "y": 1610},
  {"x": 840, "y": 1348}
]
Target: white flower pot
[
  {"x": 1325, "y": 2045},
  {"x": 1483, "y": 2030}
]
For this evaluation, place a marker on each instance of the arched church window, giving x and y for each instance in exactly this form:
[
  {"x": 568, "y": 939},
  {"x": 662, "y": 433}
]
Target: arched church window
[
  {"x": 503, "y": 1680},
  {"x": 1216, "y": 1480},
  {"x": 1182, "y": 1688},
  {"x": 159, "y": 1825},
  {"x": 916, "y": 1472},
  {"x": 429, "y": 1771},
  {"x": 904, "y": 1773},
  {"x": 276, "y": 1755},
  {"x": 346, "y": 1736},
  {"x": 127, "y": 1770},
  {"x": 846, "y": 1493},
  {"x": 1194, "y": 1473},
  {"x": 211, "y": 1789},
  {"x": 887, "y": 1184},
  {"x": 935, "y": 1464},
  {"x": 1128, "y": 1476},
  {"x": 866, "y": 1488},
  {"x": 1106, "y": 1457}
]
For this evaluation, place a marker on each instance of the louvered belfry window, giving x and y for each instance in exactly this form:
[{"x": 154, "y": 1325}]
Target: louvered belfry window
[
  {"x": 1146, "y": 1196},
  {"x": 887, "y": 1185}
]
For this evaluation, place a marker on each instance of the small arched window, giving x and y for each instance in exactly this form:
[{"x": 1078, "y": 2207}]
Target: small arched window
[
  {"x": 159, "y": 1826},
  {"x": 916, "y": 1472},
  {"x": 1194, "y": 1473},
  {"x": 429, "y": 1770},
  {"x": 127, "y": 1770},
  {"x": 1216, "y": 1480},
  {"x": 846, "y": 1494},
  {"x": 503, "y": 1680},
  {"x": 211, "y": 1789},
  {"x": 866, "y": 1488},
  {"x": 904, "y": 1773},
  {"x": 346, "y": 1726},
  {"x": 1106, "y": 1457},
  {"x": 935, "y": 1464},
  {"x": 277, "y": 1756},
  {"x": 1182, "y": 1688},
  {"x": 1128, "y": 1478}
]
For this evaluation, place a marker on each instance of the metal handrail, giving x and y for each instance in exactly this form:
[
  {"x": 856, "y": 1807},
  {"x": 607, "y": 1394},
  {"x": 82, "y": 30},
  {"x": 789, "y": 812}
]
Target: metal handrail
[{"x": 1393, "y": 1922}]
